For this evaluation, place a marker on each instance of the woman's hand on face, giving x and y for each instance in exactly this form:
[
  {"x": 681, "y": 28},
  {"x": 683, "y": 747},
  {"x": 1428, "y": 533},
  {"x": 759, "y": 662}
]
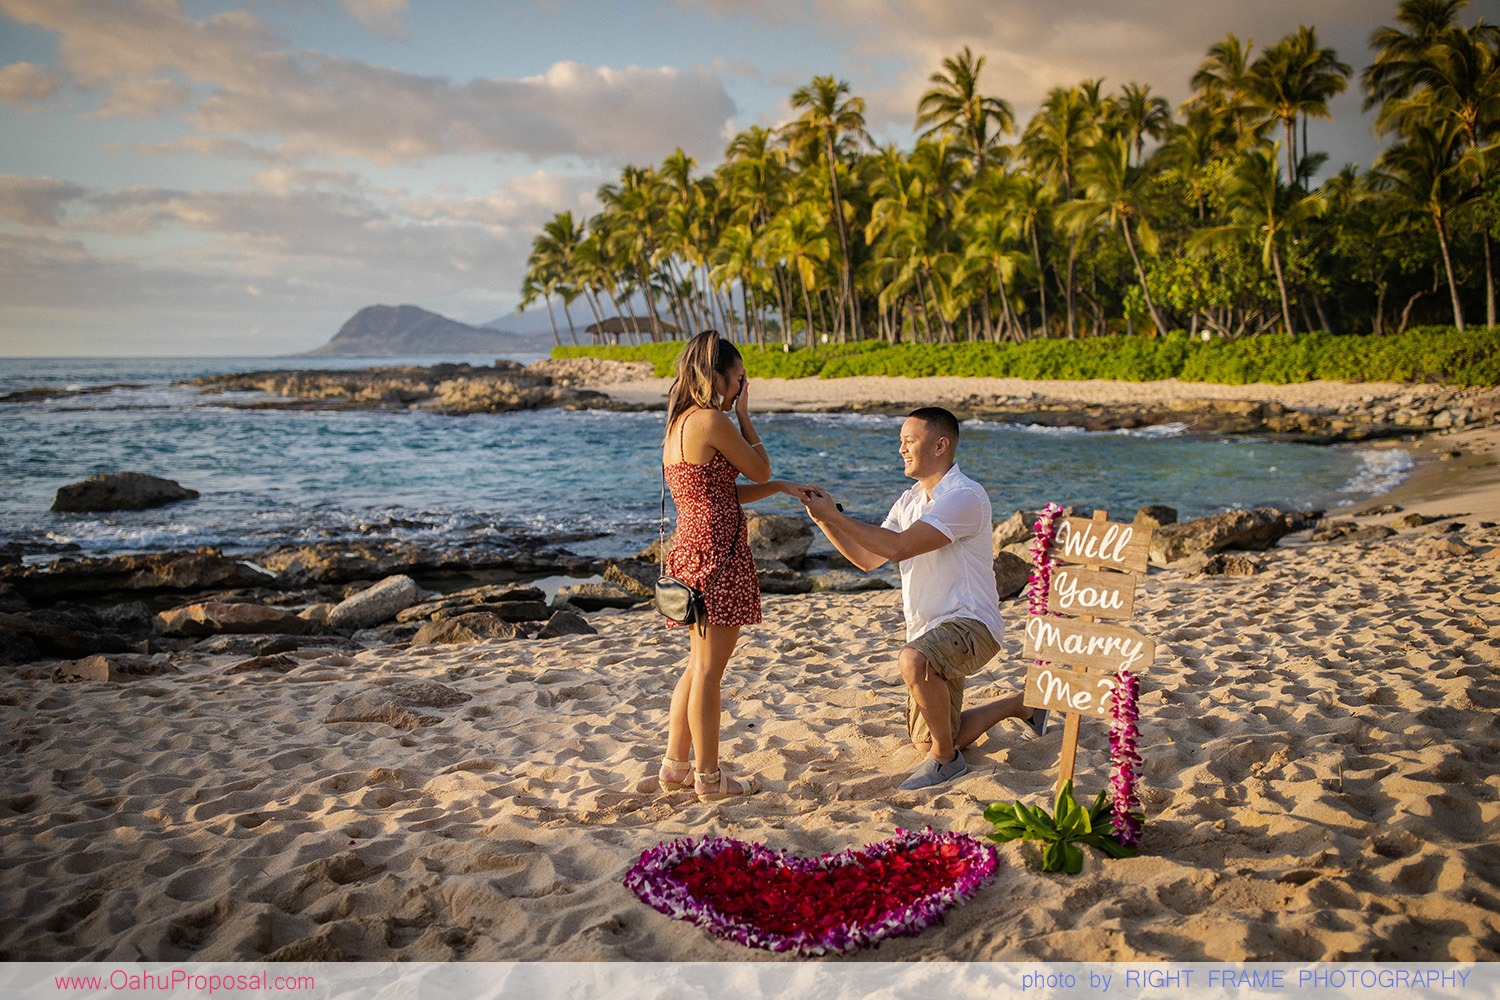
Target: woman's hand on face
[{"x": 742, "y": 401}]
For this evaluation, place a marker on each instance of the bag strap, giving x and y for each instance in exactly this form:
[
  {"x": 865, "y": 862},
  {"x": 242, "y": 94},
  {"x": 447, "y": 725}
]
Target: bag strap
[{"x": 661, "y": 533}]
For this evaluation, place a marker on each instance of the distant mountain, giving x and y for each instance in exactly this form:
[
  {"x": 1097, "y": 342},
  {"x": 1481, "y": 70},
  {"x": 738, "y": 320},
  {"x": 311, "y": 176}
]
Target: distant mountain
[{"x": 410, "y": 331}]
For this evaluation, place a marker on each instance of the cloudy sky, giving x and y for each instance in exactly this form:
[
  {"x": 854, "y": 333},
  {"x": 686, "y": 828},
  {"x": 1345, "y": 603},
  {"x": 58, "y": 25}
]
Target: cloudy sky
[{"x": 211, "y": 177}]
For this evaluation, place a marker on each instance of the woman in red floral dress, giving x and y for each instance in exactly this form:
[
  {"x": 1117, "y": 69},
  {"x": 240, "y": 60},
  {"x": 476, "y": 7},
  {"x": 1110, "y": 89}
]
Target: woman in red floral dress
[{"x": 703, "y": 454}]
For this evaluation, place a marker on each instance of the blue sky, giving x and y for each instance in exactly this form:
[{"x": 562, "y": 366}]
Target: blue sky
[{"x": 209, "y": 178}]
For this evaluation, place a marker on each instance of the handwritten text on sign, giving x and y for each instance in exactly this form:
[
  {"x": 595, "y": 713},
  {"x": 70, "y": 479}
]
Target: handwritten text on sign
[
  {"x": 1085, "y": 592},
  {"x": 1092, "y": 646},
  {"x": 1064, "y": 690},
  {"x": 1108, "y": 544}
]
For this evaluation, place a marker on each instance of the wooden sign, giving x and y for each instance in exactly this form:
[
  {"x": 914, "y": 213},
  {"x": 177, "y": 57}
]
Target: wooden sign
[
  {"x": 1087, "y": 592},
  {"x": 1063, "y": 690},
  {"x": 1088, "y": 645},
  {"x": 1102, "y": 545}
]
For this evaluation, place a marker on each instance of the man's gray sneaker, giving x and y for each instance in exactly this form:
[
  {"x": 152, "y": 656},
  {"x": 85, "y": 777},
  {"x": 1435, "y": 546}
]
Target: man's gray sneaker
[
  {"x": 932, "y": 773},
  {"x": 1037, "y": 722}
]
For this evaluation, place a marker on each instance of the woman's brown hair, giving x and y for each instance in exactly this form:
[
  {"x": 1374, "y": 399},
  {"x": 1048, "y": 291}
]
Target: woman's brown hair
[{"x": 704, "y": 356}]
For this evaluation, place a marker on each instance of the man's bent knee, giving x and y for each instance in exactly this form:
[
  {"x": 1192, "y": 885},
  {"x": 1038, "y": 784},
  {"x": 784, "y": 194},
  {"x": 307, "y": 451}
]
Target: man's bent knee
[{"x": 913, "y": 664}]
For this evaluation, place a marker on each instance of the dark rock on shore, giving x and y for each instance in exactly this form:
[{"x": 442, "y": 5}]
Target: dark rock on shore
[
  {"x": 1376, "y": 416},
  {"x": 55, "y": 632},
  {"x": 216, "y": 618},
  {"x": 472, "y": 627},
  {"x": 113, "y": 669},
  {"x": 597, "y": 596},
  {"x": 341, "y": 562},
  {"x": 509, "y": 602},
  {"x": 120, "y": 491},
  {"x": 1235, "y": 529},
  {"x": 566, "y": 622},
  {"x": 449, "y": 388},
  {"x": 202, "y": 569}
]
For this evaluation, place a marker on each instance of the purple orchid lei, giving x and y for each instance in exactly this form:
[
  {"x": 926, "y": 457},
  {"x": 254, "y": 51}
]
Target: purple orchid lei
[
  {"x": 1127, "y": 760},
  {"x": 676, "y": 878}
]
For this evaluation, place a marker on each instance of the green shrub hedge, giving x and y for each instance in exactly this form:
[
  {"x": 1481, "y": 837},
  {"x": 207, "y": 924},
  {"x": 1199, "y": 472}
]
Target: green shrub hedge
[{"x": 1422, "y": 354}]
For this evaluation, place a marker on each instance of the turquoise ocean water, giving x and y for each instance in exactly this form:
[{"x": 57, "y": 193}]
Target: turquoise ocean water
[{"x": 589, "y": 477}]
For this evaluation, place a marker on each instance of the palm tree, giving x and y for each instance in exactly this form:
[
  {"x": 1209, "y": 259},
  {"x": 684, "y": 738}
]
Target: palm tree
[
  {"x": 1219, "y": 87},
  {"x": 1263, "y": 211},
  {"x": 1454, "y": 77},
  {"x": 1055, "y": 139},
  {"x": 1142, "y": 115},
  {"x": 799, "y": 238},
  {"x": 1429, "y": 173},
  {"x": 1296, "y": 76},
  {"x": 831, "y": 122},
  {"x": 1114, "y": 192},
  {"x": 551, "y": 267},
  {"x": 954, "y": 107},
  {"x": 633, "y": 220},
  {"x": 1400, "y": 55}
]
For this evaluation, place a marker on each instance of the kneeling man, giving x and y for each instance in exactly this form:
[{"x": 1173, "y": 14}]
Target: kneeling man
[{"x": 939, "y": 532}]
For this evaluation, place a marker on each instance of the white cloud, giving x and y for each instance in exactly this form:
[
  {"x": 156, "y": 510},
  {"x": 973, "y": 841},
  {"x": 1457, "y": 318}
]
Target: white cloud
[
  {"x": 36, "y": 201},
  {"x": 25, "y": 83},
  {"x": 320, "y": 104},
  {"x": 142, "y": 99},
  {"x": 380, "y": 16}
]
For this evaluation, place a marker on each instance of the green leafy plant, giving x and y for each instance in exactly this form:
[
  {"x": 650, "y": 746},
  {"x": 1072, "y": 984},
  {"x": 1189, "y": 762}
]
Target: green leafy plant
[
  {"x": 1421, "y": 354},
  {"x": 1068, "y": 826}
]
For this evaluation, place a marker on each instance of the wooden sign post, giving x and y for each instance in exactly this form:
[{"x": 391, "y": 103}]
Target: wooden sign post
[{"x": 1111, "y": 554}]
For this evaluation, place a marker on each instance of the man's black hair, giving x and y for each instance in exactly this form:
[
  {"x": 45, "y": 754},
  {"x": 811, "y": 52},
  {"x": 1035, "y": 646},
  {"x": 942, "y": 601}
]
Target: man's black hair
[{"x": 944, "y": 422}]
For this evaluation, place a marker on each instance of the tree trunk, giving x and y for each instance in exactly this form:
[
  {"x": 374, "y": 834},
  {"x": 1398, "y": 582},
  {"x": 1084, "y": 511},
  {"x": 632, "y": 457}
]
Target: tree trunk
[
  {"x": 1140, "y": 273},
  {"x": 1458, "y": 309},
  {"x": 1291, "y": 143},
  {"x": 1286, "y": 307},
  {"x": 1041, "y": 277},
  {"x": 846, "y": 278},
  {"x": 1489, "y": 282},
  {"x": 1322, "y": 316},
  {"x": 1071, "y": 291},
  {"x": 552, "y": 321}
]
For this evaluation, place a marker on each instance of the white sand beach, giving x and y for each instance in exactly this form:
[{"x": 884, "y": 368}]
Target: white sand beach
[{"x": 1321, "y": 776}]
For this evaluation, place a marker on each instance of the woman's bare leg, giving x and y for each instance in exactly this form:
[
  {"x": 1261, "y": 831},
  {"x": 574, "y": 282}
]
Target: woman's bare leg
[{"x": 710, "y": 655}]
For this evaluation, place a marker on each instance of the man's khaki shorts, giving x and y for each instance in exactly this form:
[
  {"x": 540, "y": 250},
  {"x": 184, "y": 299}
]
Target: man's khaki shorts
[{"x": 954, "y": 649}]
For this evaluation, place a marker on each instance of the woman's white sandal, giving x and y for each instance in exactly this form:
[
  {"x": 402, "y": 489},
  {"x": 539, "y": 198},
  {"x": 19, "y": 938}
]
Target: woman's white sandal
[
  {"x": 742, "y": 788},
  {"x": 669, "y": 785}
]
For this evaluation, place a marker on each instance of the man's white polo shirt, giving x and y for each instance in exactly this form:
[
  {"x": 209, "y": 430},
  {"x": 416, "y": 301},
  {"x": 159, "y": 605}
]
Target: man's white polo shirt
[{"x": 957, "y": 580}]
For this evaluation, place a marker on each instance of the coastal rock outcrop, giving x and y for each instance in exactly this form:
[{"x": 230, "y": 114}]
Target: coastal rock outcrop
[
  {"x": 374, "y": 605},
  {"x": 342, "y": 562},
  {"x": 566, "y": 621},
  {"x": 55, "y": 632},
  {"x": 120, "y": 491},
  {"x": 379, "y": 705},
  {"x": 448, "y": 388},
  {"x": 778, "y": 538},
  {"x": 113, "y": 669},
  {"x": 1011, "y": 575},
  {"x": 509, "y": 602},
  {"x": 216, "y": 617},
  {"x": 1235, "y": 529},
  {"x": 202, "y": 569},
  {"x": 467, "y": 628},
  {"x": 597, "y": 596}
]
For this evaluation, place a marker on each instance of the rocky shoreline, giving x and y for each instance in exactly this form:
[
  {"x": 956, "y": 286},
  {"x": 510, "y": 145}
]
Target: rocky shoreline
[
  {"x": 566, "y": 384},
  {"x": 263, "y": 603},
  {"x": 120, "y": 617}
]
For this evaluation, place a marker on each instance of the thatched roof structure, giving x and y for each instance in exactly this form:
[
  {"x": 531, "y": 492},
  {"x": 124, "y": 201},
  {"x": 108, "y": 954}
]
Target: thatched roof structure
[{"x": 640, "y": 326}]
